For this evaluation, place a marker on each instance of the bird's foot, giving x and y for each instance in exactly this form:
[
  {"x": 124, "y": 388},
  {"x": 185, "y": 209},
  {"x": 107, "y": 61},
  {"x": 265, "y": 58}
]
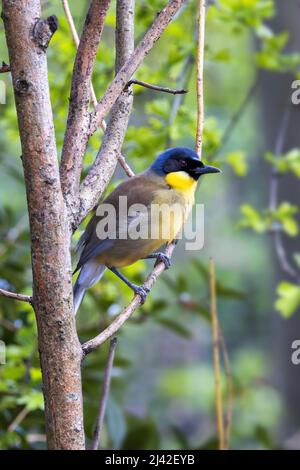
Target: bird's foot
[
  {"x": 161, "y": 257},
  {"x": 142, "y": 292}
]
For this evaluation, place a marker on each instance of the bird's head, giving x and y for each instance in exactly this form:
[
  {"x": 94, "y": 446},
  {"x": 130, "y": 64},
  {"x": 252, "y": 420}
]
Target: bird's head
[{"x": 181, "y": 162}]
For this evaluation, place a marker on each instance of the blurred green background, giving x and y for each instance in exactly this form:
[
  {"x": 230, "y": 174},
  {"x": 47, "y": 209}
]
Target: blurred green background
[{"x": 162, "y": 392}]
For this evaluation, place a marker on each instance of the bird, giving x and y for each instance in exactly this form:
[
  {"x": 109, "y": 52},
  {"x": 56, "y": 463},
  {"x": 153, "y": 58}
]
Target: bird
[{"x": 170, "y": 180}]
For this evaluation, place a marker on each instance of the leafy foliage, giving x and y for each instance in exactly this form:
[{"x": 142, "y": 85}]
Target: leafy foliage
[{"x": 162, "y": 385}]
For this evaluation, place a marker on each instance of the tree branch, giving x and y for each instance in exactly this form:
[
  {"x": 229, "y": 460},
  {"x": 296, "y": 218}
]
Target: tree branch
[
  {"x": 160, "y": 23},
  {"x": 276, "y": 232},
  {"x": 282, "y": 256},
  {"x": 200, "y": 66},
  {"x": 75, "y": 37},
  {"x": 18, "y": 419},
  {"x": 216, "y": 357},
  {"x": 182, "y": 82},
  {"x": 116, "y": 324},
  {"x": 43, "y": 31},
  {"x": 156, "y": 88},
  {"x": 238, "y": 114},
  {"x": 13, "y": 295},
  {"x": 78, "y": 117},
  {"x": 229, "y": 388},
  {"x": 104, "y": 395},
  {"x": 279, "y": 143},
  {"x": 103, "y": 125},
  {"x": 110, "y": 151},
  {"x": 4, "y": 68}
]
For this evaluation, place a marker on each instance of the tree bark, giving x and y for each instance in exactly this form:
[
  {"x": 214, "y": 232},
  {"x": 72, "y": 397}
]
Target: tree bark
[
  {"x": 78, "y": 118},
  {"x": 106, "y": 160},
  {"x": 60, "y": 351}
]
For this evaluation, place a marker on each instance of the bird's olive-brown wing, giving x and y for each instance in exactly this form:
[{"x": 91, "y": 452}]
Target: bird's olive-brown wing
[{"x": 137, "y": 190}]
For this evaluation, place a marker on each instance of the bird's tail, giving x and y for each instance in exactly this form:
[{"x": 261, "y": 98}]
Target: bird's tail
[{"x": 89, "y": 274}]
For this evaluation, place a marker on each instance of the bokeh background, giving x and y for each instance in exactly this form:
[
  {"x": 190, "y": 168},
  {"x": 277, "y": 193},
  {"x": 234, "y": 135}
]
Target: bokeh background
[{"x": 162, "y": 392}]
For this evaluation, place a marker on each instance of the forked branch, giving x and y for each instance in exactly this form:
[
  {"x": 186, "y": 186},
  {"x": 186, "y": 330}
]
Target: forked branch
[
  {"x": 78, "y": 117},
  {"x": 94, "y": 100},
  {"x": 105, "y": 163}
]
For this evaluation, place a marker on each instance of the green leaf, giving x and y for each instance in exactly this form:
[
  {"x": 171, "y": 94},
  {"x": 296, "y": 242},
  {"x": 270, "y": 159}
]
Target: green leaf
[
  {"x": 271, "y": 57},
  {"x": 12, "y": 371},
  {"x": 289, "y": 298},
  {"x": 285, "y": 215},
  {"x": 33, "y": 401},
  {"x": 223, "y": 55},
  {"x": 237, "y": 161},
  {"x": 159, "y": 107},
  {"x": 202, "y": 269},
  {"x": 229, "y": 292},
  {"x": 263, "y": 436},
  {"x": 289, "y": 162},
  {"x": 252, "y": 219}
]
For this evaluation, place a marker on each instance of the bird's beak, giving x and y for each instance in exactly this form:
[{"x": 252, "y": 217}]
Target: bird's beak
[{"x": 204, "y": 170}]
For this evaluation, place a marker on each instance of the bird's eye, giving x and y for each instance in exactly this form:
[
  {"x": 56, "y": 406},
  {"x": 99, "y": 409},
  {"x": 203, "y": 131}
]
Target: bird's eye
[{"x": 183, "y": 163}]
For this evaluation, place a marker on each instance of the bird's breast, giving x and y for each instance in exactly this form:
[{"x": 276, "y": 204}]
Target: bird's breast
[{"x": 174, "y": 204}]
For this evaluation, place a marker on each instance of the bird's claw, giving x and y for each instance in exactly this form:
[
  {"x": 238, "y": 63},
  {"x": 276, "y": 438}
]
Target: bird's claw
[
  {"x": 142, "y": 292},
  {"x": 161, "y": 257}
]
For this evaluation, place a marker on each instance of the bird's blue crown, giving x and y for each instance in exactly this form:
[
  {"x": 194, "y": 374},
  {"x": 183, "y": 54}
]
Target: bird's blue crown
[{"x": 185, "y": 152}]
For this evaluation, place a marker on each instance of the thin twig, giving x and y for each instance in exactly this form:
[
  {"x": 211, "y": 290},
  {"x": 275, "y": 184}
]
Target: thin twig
[
  {"x": 238, "y": 114},
  {"x": 157, "y": 88},
  {"x": 116, "y": 324},
  {"x": 18, "y": 419},
  {"x": 279, "y": 143},
  {"x": 182, "y": 82},
  {"x": 282, "y": 255},
  {"x": 104, "y": 395},
  {"x": 78, "y": 115},
  {"x": 122, "y": 160},
  {"x": 75, "y": 36},
  {"x": 13, "y": 295},
  {"x": 229, "y": 388},
  {"x": 4, "y": 68},
  {"x": 216, "y": 357},
  {"x": 276, "y": 232},
  {"x": 200, "y": 66},
  {"x": 9, "y": 325}
]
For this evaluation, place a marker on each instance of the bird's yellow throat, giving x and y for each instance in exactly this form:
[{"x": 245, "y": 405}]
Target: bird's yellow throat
[{"x": 181, "y": 181}]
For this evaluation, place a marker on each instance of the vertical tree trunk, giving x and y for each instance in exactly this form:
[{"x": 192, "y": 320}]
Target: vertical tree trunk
[{"x": 60, "y": 351}]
